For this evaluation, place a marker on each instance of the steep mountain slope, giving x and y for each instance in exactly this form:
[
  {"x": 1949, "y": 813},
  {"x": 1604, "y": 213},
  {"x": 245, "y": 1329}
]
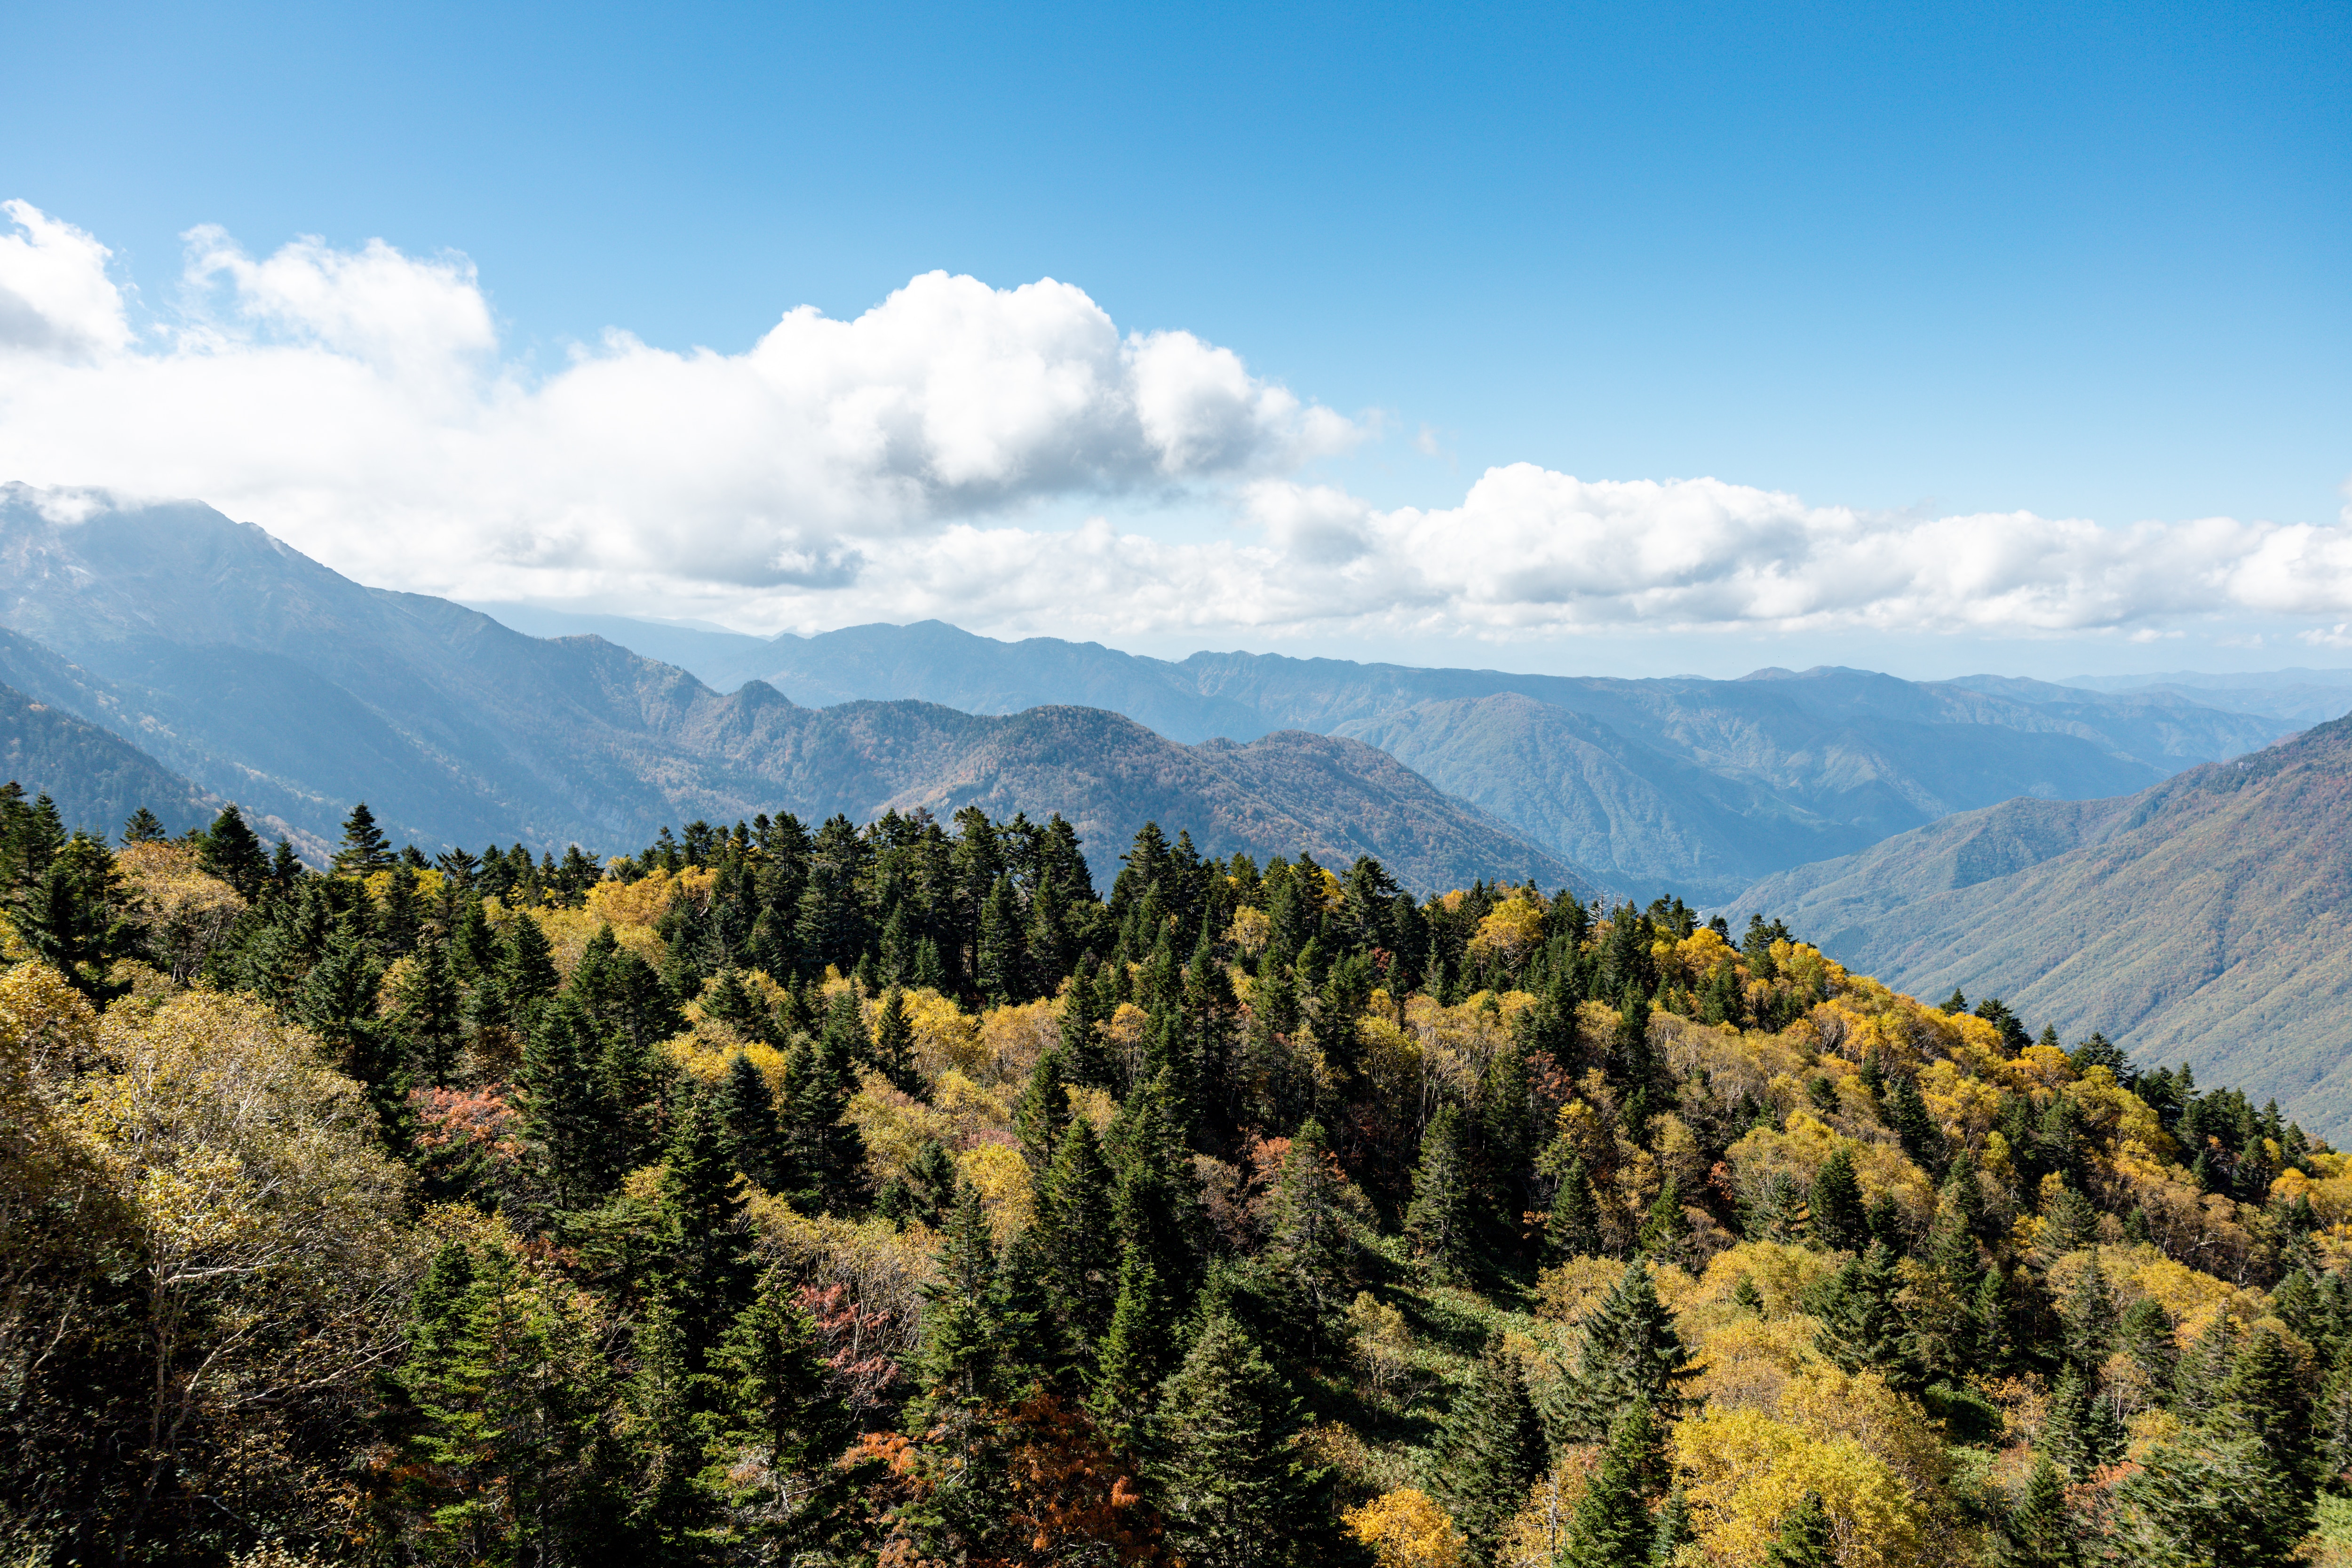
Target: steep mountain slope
[
  {"x": 1687, "y": 785},
  {"x": 2202, "y": 921},
  {"x": 96, "y": 778},
  {"x": 1334, "y": 797},
  {"x": 272, "y": 680}
]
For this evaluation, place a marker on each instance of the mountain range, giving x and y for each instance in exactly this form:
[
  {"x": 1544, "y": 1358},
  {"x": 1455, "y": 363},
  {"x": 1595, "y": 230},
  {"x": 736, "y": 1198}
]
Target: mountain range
[
  {"x": 2202, "y": 920},
  {"x": 1686, "y": 786},
  {"x": 256, "y": 674},
  {"x": 2131, "y": 860}
]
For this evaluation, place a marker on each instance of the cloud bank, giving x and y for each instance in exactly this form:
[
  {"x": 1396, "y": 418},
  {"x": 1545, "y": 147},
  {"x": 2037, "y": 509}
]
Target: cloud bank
[{"x": 892, "y": 467}]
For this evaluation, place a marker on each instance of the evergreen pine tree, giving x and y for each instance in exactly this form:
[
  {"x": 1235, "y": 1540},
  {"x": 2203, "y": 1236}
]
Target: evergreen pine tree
[
  {"x": 402, "y": 919},
  {"x": 2265, "y": 1401},
  {"x": 828, "y": 1153},
  {"x": 563, "y": 1130},
  {"x": 1862, "y": 1325},
  {"x": 1077, "y": 1235},
  {"x": 661, "y": 1429},
  {"x": 429, "y": 1012},
  {"x": 1309, "y": 1247},
  {"x": 1804, "y": 1541},
  {"x": 1675, "y": 1528},
  {"x": 2039, "y": 1532},
  {"x": 746, "y": 1111},
  {"x": 2090, "y": 1317},
  {"x": 708, "y": 1253},
  {"x": 2145, "y": 1336},
  {"x": 1439, "y": 1217},
  {"x": 337, "y": 1002},
  {"x": 894, "y": 1044},
  {"x": 1631, "y": 1354},
  {"x": 779, "y": 1397},
  {"x": 2080, "y": 1432},
  {"x": 229, "y": 850},
  {"x": 1135, "y": 1349},
  {"x": 997, "y": 954},
  {"x": 1043, "y": 1112},
  {"x": 1573, "y": 1228},
  {"x": 144, "y": 827},
  {"x": 1238, "y": 1491},
  {"x": 1489, "y": 1449},
  {"x": 1840, "y": 1221},
  {"x": 364, "y": 849},
  {"x": 2199, "y": 1504},
  {"x": 1908, "y": 1114},
  {"x": 2069, "y": 1225},
  {"x": 1666, "y": 1227},
  {"x": 2331, "y": 1424},
  {"x": 1611, "y": 1527}
]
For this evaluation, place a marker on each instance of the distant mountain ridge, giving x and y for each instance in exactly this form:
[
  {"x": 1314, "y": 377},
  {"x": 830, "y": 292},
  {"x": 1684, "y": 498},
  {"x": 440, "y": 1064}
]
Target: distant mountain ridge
[
  {"x": 95, "y": 778},
  {"x": 2208, "y": 919},
  {"x": 1683, "y": 786},
  {"x": 267, "y": 678}
]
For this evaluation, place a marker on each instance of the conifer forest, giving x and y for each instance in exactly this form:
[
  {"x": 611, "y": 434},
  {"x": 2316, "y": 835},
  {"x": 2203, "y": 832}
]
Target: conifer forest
[{"x": 898, "y": 1194}]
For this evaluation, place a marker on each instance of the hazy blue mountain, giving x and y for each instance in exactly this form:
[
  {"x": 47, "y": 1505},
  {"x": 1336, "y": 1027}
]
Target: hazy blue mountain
[
  {"x": 2206, "y": 920},
  {"x": 96, "y": 778},
  {"x": 270, "y": 679},
  {"x": 1687, "y": 785},
  {"x": 2296, "y": 697}
]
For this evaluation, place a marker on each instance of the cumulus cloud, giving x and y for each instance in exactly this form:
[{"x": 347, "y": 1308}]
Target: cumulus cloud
[
  {"x": 891, "y": 467},
  {"x": 354, "y": 403}
]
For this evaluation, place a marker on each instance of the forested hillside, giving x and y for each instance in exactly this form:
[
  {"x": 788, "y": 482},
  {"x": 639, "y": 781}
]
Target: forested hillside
[
  {"x": 97, "y": 779},
  {"x": 902, "y": 1194},
  {"x": 2205, "y": 919}
]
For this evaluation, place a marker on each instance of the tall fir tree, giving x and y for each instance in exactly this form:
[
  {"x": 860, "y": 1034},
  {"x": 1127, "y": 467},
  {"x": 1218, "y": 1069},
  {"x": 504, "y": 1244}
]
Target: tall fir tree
[
  {"x": 1077, "y": 1233},
  {"x": 1611, "y": 1527},
  {"x": 1439, "y": 1219},
  {"x": 1804, "y": 1541},
  {"x": 364, "y": 849},
  {"x": 1633, "y": 1354},
  {"x": 1489, "y": 1449},
  {"x": 1840, "y": 1218},
  {"x": 1238, "y": 1491},
  {"x": 1573, "y": 1228}
]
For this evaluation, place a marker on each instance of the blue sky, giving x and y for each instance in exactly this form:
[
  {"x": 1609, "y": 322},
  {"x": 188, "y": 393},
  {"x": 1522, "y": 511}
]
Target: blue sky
[{"x": 2081, "y": 262}]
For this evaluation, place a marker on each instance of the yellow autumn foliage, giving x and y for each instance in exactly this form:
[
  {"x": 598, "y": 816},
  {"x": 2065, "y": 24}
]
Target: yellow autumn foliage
[
  {"x": 1406, "y": 1529},
  {"x": 1511, "y": 930},
  {"x": 647, "y": 900},
  {"x": 1000, "y": 1176},
  {"x": 1747, "y": 1470}
]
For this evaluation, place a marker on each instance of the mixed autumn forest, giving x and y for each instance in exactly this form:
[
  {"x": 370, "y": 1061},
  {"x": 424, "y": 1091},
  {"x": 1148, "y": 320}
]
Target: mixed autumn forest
[{"x": 896, "y": 1195}]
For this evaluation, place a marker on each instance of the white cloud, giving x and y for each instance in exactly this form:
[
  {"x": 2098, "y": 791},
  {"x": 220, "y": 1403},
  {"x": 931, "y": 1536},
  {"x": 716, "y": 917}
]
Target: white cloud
[
  {"x": 353, "y": 403},
  {"x": 887, "y": 467},
  {"x": 56, "y": 299}
]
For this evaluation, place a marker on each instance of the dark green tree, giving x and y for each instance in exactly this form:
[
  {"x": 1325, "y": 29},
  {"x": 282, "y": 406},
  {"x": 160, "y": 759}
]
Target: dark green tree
[
  {"x": 1861, "y": 1321},
  {"x": 1840, "y": 1220},
  {"x": 1489, "y": 1451},
  {"x": 1611, "y": 1527},
  {"x": 2039, "y": 1531},
  {"x": 364, "y": 848},
  {"x": 1631, "y": 1354},
  {"x": 1237, "y": 1488},
  {"x": 1573, "y": 1228},
  {"x": 1077, "y": 1235},
  {"x": 1804, "y": 1541},
  {"x": 229, "y": 850},
  {"x": 780, "y": 1399},
  {"x": 1439, "y": 1219}
]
